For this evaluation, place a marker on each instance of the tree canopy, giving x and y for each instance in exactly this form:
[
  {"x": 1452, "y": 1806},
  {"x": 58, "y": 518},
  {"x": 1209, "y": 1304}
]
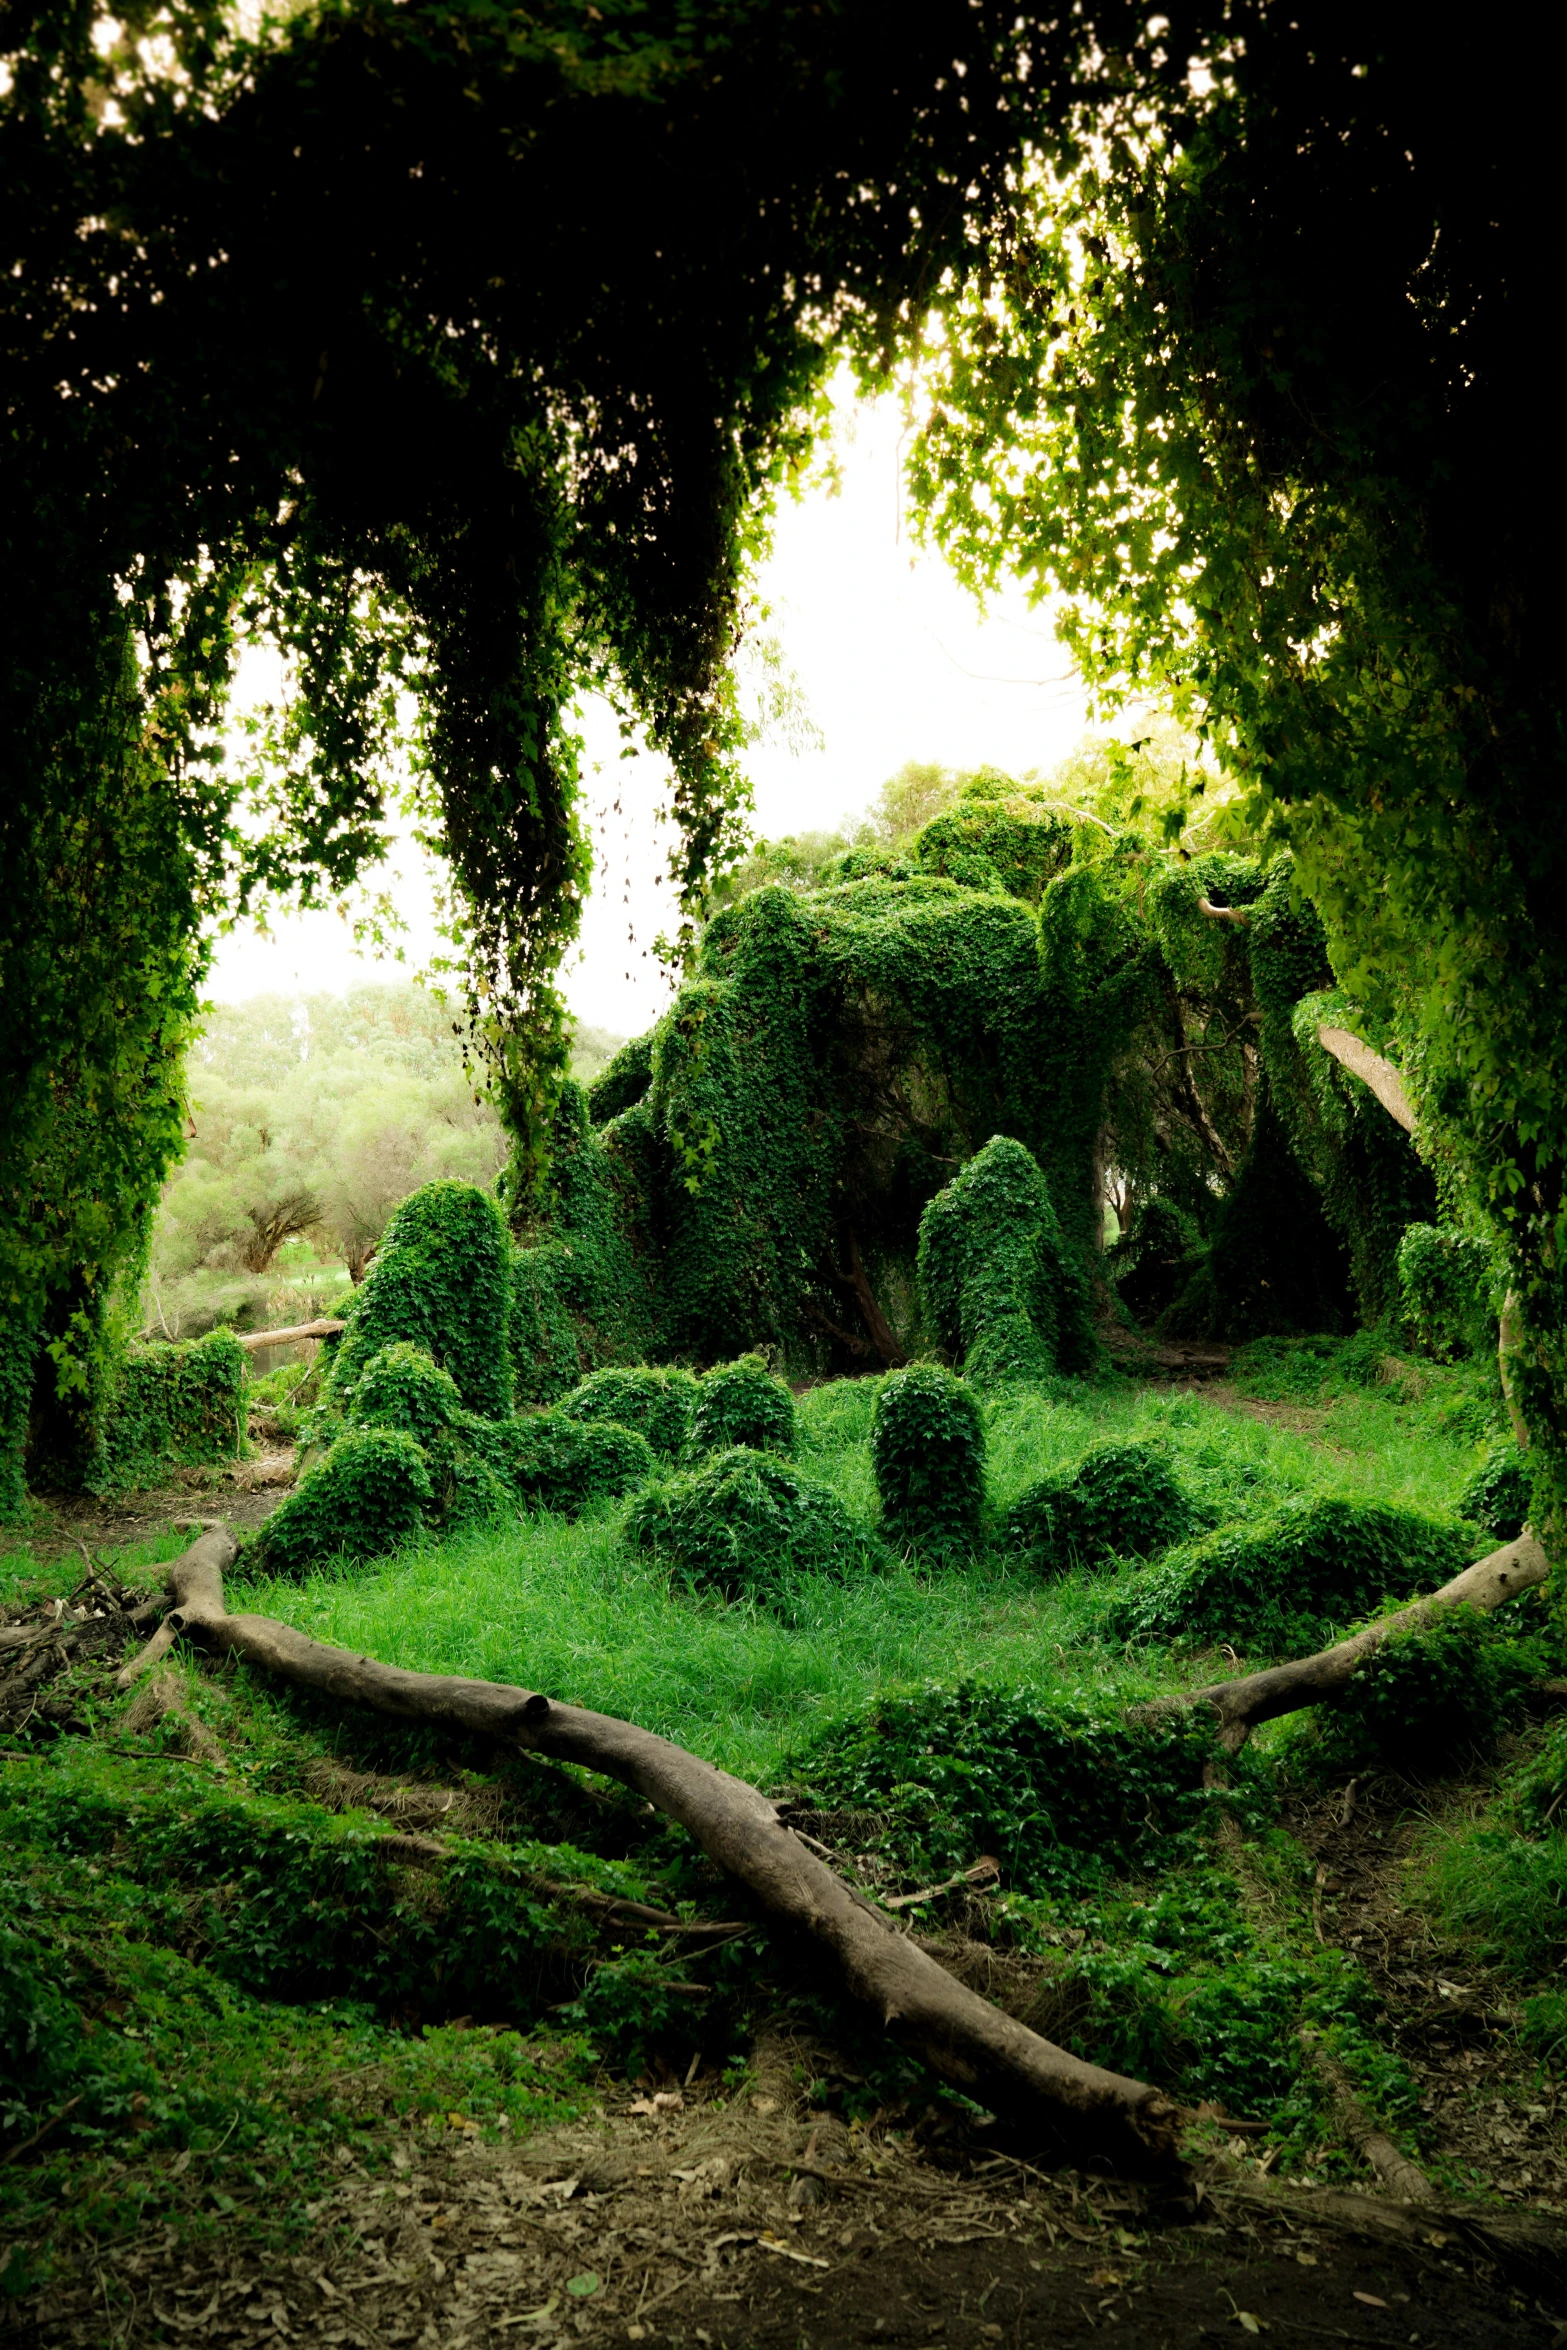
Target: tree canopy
[{"x": 459, "y": 351}]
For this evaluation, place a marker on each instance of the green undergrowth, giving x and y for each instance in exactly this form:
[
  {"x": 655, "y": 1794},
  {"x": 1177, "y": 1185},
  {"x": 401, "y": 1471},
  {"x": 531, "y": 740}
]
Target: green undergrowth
[{"x": 252, "y": 1963}]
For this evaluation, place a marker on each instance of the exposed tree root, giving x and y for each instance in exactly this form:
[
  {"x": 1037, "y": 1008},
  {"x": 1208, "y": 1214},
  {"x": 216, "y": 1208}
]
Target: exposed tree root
[
  {"x": 1084, "y": 2111},
  {"x": 1322, "y": 1679}
]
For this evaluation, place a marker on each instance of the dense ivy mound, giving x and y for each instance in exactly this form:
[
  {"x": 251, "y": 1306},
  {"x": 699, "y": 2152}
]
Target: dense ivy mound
[
  {"x": 1287, "y": 1585},
  {"x": 998, "y": 1282},
  {"x": 928, "y": 1453},
  {"x": 742, "y": 1403},
  {"x": 657, "y": 1404},
  {"x": 440, "y": 1280},
  {"x": 745, "y": 1524},
  {"x": 178, "y": 1406},
  {"x": 401, "y": 1387},
  {"x": 1497, "y": 1496},
  {"x": 1426, "y": 1704},
  {"x": 371, "y": 1491},
  {"x": 1121, "y": 1501},
  {"x": 553, "y": 1462},
  {"x": 1057, "y": 1793}
]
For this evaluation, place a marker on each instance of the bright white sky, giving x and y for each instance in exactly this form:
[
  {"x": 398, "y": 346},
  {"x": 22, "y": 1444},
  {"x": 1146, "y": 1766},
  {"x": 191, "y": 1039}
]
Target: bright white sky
[{"x": 895, "y": 663}]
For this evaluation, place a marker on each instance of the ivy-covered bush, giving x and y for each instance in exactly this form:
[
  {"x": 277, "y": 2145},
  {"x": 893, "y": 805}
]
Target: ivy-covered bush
[
  {"x": 401, "y": 1387},
  {"x": 1152, "y": 1261},
  {"x": 928, "y": 1454},
  {"x": 999, "y": 1285},
  {"x": 174, "y": 1406},
  {"x": 553, "y": 1462},
  {"x": 441, "y": 1280},
  {"x": 1425, "y": 1704},
  {"x": 1497, "y": 1496},
  {"x": 744, "y": 1524},
  {"x": 546, "y": 1347},
  {"x": 1058, "y": 1793},
  {"x": 742, "y": 1403},
  {"x": 623, "y": 1081},
  {"x": 658, "y": 1404},
  {"x": 1121, "y": 1501},
  {"x": 1445, "y": 1279},
  {"x": 1287, "y": 1585},
  {"x": 370, "y": 1491}
]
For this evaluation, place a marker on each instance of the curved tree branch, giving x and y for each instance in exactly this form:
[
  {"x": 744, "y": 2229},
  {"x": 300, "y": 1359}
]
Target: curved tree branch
[
  {"x": 1322, "y": 1679},
  {"x": 1372, "y": 1068},
  {"x": 1085, "y": 2110}
]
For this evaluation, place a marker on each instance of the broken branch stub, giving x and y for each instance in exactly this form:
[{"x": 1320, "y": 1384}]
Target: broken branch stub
[
  {"x": 1322, "y": 1679},
  {"x": 1087, "y": 2112}
]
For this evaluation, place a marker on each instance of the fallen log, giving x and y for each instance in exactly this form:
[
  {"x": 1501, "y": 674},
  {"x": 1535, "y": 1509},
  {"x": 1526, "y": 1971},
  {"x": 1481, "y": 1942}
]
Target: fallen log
[
  {"x": 1085, "y": 2111},
  {"x": 1322, "y": 1679},
  {"x": 253, "y": 1341}
]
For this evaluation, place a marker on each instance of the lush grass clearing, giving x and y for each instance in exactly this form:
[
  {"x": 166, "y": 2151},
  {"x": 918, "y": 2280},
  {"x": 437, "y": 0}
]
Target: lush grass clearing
[
  {"x": 567, "y": 1608},
  {"x": 1178, "y": 1977}
]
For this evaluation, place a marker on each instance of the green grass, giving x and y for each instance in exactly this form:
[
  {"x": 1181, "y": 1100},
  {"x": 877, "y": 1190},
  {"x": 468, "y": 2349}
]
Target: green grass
[{"x": 568, "y": 1607}]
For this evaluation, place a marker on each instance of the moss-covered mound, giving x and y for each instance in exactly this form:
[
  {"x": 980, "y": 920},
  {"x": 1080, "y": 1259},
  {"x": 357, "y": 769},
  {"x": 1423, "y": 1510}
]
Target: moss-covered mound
[
  {"x": 441, "y": 1280},
  {"x": 371, "y": 1490},
  {"x": 742, "y": 1403},
  {"x": 553, "y": 1462},
  {"x": 745, "y": 1524},
  {"x": 657, "y": 1404},
  {"x": 1000, "y": 1286},
  {"x": 1287, "y": 1585},
  {"x": 1121, "y": 1501},
  {"x": 928, "y": 1452},
  {"x": 1055, "y": 1792},
  {"x": 402, "y": 1387}
]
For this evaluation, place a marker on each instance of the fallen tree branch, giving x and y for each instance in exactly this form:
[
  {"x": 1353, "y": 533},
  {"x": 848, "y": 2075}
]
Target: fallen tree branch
[
  {"x": 1322, "y": 1679},
  {"x": 253, "y": 1341},
  {"x": 1401, "y": 2177},
  {"x": 1087, "y": 2111}
]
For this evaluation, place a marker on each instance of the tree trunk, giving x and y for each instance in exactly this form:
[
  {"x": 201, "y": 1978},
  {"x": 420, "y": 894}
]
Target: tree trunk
[
  {"x": 1086, "y": 2112},
  {"x": 1373, "y": 1069}
]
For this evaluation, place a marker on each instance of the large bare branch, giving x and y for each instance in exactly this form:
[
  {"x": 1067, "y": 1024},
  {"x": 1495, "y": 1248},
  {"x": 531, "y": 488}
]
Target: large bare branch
[
  {"x": 1372, "y": 1068},
  {"x": 1084, "y": 2110},
  {"x": 1322, "y": 1679}
]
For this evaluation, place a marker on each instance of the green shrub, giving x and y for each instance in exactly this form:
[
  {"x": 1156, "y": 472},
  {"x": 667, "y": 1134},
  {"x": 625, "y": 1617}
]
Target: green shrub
[
  {"x": 552, "y": 1462},
  {"x": 1121, "y": 1501},
  {"x": 1445, "y": 1279},
  {"x": 999, "y": 1285},
  {"x": 658, "y": 1404},
  {"x": 401, "y": 1388},
  {"x": 1286, "y": 1585},
  {"x": 1497, "y": 1496},
  {"x": 744, "y": 1524},
  {"x": 174, "y": 1406},
  {"x": 1424, "y": 1704},
  {"x": 742, "y": 1403},
  {"x": 1061, "y": 1795},
  {"x": 1152, "y": 1261},
  {"x": 928, "y": 1454},
  {"x": 442, "y": 1280},
  {"x": 371, "y": 1491},
  {"x": 1309, "y": 1369}
]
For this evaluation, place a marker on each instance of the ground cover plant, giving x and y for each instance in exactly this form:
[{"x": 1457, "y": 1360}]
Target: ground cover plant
[{"x": 235, "y": 1888}]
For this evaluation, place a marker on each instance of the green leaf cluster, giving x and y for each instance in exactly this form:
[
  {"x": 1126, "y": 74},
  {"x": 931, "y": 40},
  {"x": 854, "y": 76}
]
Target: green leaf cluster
[{"x": 928, "y": 1455}]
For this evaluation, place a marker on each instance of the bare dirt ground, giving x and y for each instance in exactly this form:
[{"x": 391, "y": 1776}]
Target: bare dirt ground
[{"x": 709, "y": 2224}]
